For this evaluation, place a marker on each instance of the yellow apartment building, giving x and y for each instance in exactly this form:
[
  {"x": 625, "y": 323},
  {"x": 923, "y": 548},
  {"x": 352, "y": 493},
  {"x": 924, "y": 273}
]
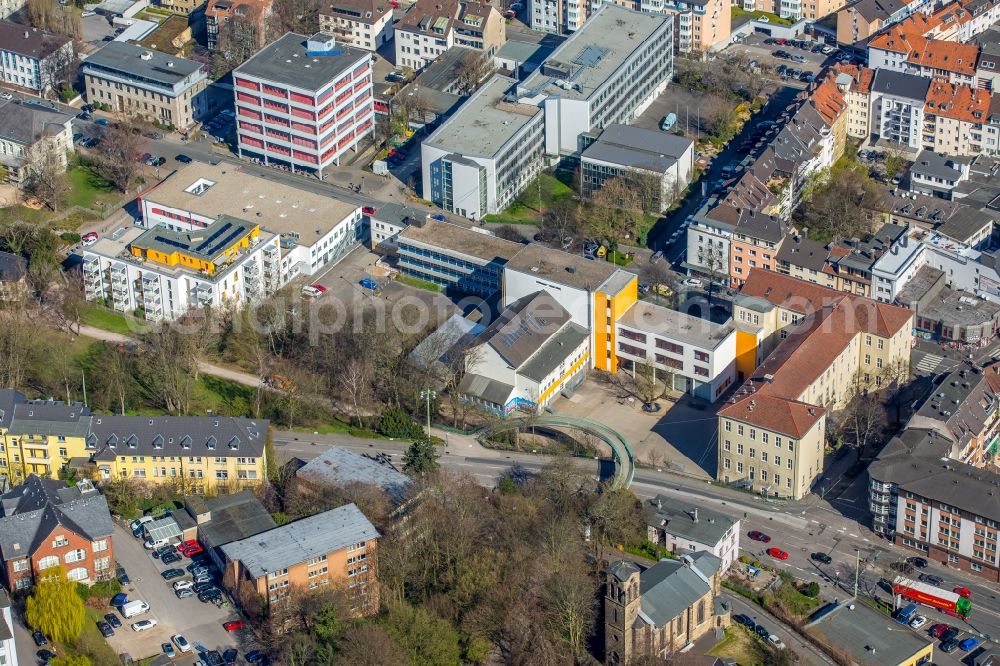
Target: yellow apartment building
[
  {"x": 800, "y": 348},
  {"x": 209, "y": 453}
]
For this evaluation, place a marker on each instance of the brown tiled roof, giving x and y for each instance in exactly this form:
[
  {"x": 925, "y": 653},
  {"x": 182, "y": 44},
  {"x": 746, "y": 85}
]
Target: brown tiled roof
[
  {"x": 947, "y": 56},
  {"x": 959, "y": 102},
  {"x": 827, "y": 99},
  {"x": 862, "y": 76},
  {"x": 771, "y": 397}
]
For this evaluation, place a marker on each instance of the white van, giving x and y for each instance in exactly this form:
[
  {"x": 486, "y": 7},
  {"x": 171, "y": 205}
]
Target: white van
[{"x": 133, "y": 608}]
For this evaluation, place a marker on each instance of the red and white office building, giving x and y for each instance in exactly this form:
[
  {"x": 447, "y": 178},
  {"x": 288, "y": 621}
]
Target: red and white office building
[{"x": 302, "y": 102}]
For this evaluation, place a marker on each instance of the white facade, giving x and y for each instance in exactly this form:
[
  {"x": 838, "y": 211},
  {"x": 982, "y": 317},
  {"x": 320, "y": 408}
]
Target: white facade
[
  {"x": 578, "y": 302},
  {"x": 558, "y": 16},
  {"x": 367, "y": 31},
  {"x": 8, "y": 650},
  {"x": 708, "y": 248},
  {"x": 416, "y": 51},
  {"x": 30, "y": 71},
  {"x": 483, "y": 156},
  {"x": 164, "y": 292},
  {"x": 701, "y": 355},
  {"x": 898, "y": 119}
]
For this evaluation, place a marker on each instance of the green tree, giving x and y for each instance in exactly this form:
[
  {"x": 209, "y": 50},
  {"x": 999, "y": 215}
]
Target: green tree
[
  {"x": 395, "y": 422},
  {"x": 55, "y": 609},
  {"x": 430, "y": 640},
  {"x": 420, "y": 458}
]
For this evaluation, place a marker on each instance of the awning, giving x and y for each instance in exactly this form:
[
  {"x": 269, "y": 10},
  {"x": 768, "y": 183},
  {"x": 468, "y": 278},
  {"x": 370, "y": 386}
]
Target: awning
[{"x": 163, "y": 528}]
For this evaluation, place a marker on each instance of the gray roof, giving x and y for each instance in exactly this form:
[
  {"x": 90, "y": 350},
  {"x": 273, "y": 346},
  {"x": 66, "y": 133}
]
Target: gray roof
[
  {"x": 638, "y": 148},
  {"x": 554, "y": 351},
  {"x": 31, "y": 42},
  {"x": 12, "y": 267},
  {"x": 227, "y": 518},
  {"x": 527, "y": 53},
  {"x": 48, "y": 417},
  {"x": 339, "y": 467},
  {"x": 899, "y": 84},
  {"x": 453, "y": 239},
  {"x": 918, "y": 461},
  {"x": 804, "y": 252},
  {"x": 34, "y": 509},
  {"x": 651, "y": 318},
  {"x": 222, "y": 436},
  {"x": 296, "y": 542},
  {"x": 562, "y": 267},
  {"x": 443, "y": 73},
  {"x": 208, "y": 243},
  {"x": 524, "y": 326},
  {"x": 397, "y": 214},
  {"x": 677, "y": 517},
  {"x": 445, "y": 345},
  {"x": 866, "y": 636},
  {"x": 6, "y": 633},
  {"x": 9, "y": 398},
  {"x": 134, "y": 61},
  {"x": 931, "y": 163},
  {"x": 487, "y": 389},
  {"x": 26, "y": 122},
  {"x": 285, "y": 61},
  {"x": 670, "y": 587}
]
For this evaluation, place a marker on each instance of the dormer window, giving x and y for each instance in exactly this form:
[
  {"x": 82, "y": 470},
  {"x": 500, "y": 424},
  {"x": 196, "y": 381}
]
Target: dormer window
[
  {"x": 158, "y": 442},
  {"x": 132, "y": 441},
  {"x": 234, "y": 443},
  {"x": 113, "y": 441},
  {"x": 211, "y": 442},
  {"x": 186, "y": 442},
  {"x": 91, "y": 441}
]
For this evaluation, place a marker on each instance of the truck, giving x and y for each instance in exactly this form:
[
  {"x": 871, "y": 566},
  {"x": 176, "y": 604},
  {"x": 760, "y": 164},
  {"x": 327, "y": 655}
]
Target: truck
[
  {"x": 905, "y": 614},
  {"x": 950, "y": 603},
  {"x": 133, "y": 608}
]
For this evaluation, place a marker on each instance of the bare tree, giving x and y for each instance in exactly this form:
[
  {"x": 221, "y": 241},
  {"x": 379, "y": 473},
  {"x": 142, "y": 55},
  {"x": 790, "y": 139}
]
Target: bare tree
[
  {"x": 301, "y": 16},
  {"x": 561, "y": 220},
  {"x": 355, "y": 380},
  {"x": 53, "y": 17},
  {"x": 471, "y": 72},
  {"x": 239, "y": 38},
  {"x": 616, "y": 214},
  {"x": 864, "y": 418},
  {"x": 115, "y": 154},
  {"x": 46, "y": 178},
  {"x": 17, "y": 337}
]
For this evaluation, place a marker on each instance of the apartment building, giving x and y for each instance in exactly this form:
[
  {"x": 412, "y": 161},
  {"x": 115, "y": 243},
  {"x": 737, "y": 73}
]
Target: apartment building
[
  {"x": 33, "y": 60},
  {"x": 557, "y": 18},
  {"x": 8, "y": 648},
  {"x": 897, "y": 108},
  {"x": 44, "y": 523},
  {"x": 479, "y": 159},
  {"x": 467, "y": 260},
  {"x": 160, "y": 274},
  {"x": 314, "y": 230},
  {"x": 592, "y": 292},
  {"x": 662, "y": 608},
  {"x": 336, "y": 547},
  {"x": 655, "y": 163},
  {"x": 955, "y": 116},
  {"x": 860, "y": 20},
  {"x": 430, "y": 28},
  {"x": 607, "y": 73},
  {"x": 795, "y": 10},
  {"x": 302, "y": 102},
  {"x": 31, "y": 134},
  {"x": 690, "y": 527},
  {"x": 700, "y": 26},
  {"x": 202, "y": 454},
  {"x": 526, "y": 356},
  {"x": 253, "y": 13},
  {"x": 756, "y": 241},
  {"x": 809, "y": 344},
  {"x": 149, "y": 84},
  {"x": 855, "y": 84},
  {"x": 922, "y": 498},
  {"x": 365, "y": 24}
]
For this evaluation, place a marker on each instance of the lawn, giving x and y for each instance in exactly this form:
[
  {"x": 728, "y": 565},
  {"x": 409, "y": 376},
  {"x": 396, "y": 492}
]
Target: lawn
[
  {"x": 527, "y": 208},
  {"x": 794, "y": 602},
  {"x": 90, "y": 643},
  {"x": 341, "y": 428},
  {"x": 90, "y": 190},
  {"x": 418, "y": 283},
  {"x": 109, "y": 320},
  {"x": 771, "y": 18},
  {"x": 737, "y": 645}
]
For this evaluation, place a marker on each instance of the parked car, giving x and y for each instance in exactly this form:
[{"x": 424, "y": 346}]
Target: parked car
[
  {"x": 39, "y": 639},
  {"x": 183, "y": 585},
  {"x": 969, "y": 644},
  {"x": 821, "y": 557},
  {"x": 184, "y": 594},
  {"x": 761, "y": 631},
  {"x": 233, "y": 625},
  {"x": 183, "y": 159},
  {"x": 777, "y": 553},
  {"x": 170, "y": 558},
  {"x": 105, "y": 629},
  {"x": 937, "y": 630},
  {"x": 918, "y": 562},
  {"x": 168, "y": 650},
  {"x": 230, "y": 655},
  {"x": 759, "y": 536},
  {"x": 154, "y": 544},
  {"x": 776, "y": 642},
  {"x": 143, "y": 625},
  {"x": 254, "y": 656},
  {"x": 950, "y": 634},
  {"x": 103, "y": 122},
  {"x": 743, "y": 619},
  {"x": 181, "y": 643},
  {"x": 369, "y": 283},
  {"x": 657, "y": 256},
  {"x": 949, "y": 646},
  {"x": 313, "y": 290},
  {"x": 209, "y": 597},
  {"x": 918, "y": 622},
  {"x": 693, "y": 282},
  {"x": 170, "y": 574}
]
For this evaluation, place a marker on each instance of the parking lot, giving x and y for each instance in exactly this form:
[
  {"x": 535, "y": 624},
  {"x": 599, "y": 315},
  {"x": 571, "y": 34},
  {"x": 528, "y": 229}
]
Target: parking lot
[
  {"x": 770, "y": 54},
  {"x": 200, "y": 623}
]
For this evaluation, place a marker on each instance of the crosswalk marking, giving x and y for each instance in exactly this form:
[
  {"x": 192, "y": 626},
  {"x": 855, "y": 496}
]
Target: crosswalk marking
[{"x": 930, "y": 363}]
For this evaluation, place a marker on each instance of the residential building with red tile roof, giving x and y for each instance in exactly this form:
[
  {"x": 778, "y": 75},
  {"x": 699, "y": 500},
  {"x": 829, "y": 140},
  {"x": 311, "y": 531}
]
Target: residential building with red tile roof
[
  {"x": 954, "y": 119},
  {"x": 801, "y": 349}
]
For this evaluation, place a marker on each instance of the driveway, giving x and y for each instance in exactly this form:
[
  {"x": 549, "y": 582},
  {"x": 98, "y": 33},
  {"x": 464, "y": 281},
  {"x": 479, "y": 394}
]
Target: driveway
[{"x": 200, "y": 623}]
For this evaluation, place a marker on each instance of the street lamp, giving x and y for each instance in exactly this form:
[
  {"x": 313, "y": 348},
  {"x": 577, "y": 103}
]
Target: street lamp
[{"x": 428, "y": 395}]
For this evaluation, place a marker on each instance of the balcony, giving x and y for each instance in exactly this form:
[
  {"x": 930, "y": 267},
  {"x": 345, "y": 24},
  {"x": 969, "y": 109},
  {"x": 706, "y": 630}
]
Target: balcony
[{"x": 91, "y": 265}]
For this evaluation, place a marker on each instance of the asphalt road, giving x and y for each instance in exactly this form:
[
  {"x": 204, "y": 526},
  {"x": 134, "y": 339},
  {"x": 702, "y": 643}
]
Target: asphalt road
[{"x": 800, "y": 528}]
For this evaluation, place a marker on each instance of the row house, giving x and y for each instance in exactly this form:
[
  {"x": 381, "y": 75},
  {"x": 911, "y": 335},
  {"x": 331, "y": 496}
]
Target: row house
[
  {"x": 303, "y": 102},
  {"x": 430, "y": 28},
  {"x": 956, "y": 119},
  {"x": 699, "y": 25},
  {"x": 365, "y": 24},
  {"x": 910, "y": 52},
  {"x": 860, "y": 20},
  {"x": 44, "y": 524}
]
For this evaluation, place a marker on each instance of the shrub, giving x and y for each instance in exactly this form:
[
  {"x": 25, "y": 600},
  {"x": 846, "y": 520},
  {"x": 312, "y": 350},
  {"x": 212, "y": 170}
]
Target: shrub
[
  {"x": 812, "y": 590},
  {"x": 70, "y": 237},
  {"x": 396, "y": 423}
]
